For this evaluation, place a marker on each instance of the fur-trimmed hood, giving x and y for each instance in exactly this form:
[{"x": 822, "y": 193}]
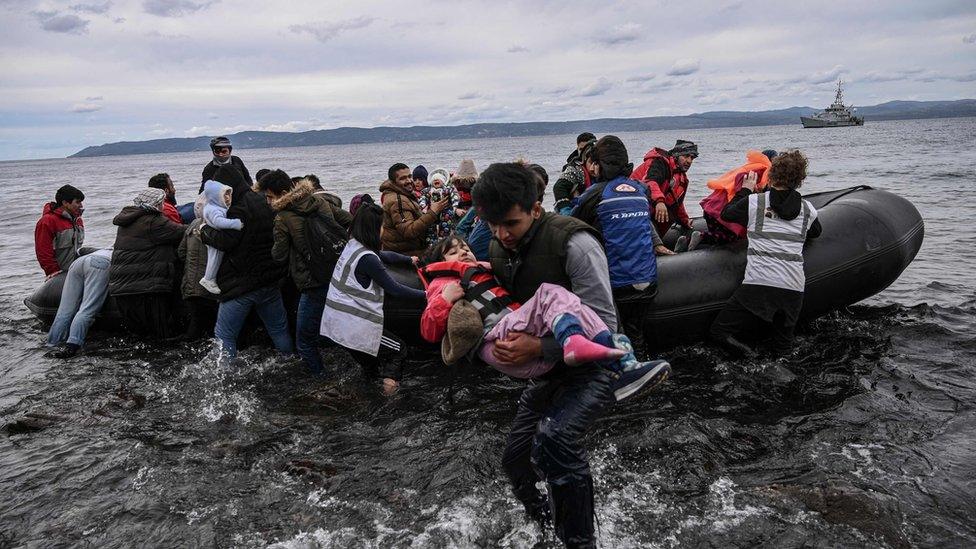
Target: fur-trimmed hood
[{"x": 298, "y": 199}]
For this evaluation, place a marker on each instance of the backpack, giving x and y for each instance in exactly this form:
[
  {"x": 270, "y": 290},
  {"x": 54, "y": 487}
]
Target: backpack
[{"x": 326, "y": 239}]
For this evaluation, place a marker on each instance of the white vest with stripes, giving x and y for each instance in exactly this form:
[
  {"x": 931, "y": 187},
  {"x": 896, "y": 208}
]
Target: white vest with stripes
[
  {"x": 775, "y": 254},
  {"x": 353, "y": 315}
]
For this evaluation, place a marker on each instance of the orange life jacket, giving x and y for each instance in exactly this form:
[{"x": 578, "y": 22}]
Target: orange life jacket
[{"x": 755, "y": 162}]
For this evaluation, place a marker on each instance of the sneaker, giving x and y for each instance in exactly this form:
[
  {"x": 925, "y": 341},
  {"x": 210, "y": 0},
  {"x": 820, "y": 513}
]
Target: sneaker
[
  {"x": 640, "y": 377},
  {"x": 681, "y": 245},
  {"x": 696, "y": 238},
  {"x": 210, "y": 285},
  {"x": 67, "y": 350}
]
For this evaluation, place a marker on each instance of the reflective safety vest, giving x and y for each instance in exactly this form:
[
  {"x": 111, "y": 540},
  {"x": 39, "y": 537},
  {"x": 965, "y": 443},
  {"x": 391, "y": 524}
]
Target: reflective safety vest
[
  {"x": 353, "y": 315},
  {"x": 775, "y": 254},
  {"x": 480, "y": 286},
  {"x": 625, "y": 226}
]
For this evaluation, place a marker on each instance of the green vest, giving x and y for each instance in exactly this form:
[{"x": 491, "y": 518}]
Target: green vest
[{"x": 541, "y": 256}]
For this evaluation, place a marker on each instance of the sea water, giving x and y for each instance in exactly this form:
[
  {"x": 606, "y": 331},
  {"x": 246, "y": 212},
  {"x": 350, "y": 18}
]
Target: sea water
[{"x": 864, "y": 436}]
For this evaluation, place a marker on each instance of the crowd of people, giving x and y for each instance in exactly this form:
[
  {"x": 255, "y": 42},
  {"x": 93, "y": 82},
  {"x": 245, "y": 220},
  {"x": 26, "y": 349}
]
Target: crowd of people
[{"x": 556, "y": 297}]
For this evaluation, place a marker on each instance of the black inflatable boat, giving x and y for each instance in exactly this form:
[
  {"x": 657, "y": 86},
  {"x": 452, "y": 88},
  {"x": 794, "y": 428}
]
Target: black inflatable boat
[{"x": 869, "y": 237}]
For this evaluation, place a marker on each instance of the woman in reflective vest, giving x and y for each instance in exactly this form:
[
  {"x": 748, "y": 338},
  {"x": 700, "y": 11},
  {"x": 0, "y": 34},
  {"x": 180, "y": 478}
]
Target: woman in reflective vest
[
  {"x": 353, "y": 314},
  {"x": 778, "y": 223}
]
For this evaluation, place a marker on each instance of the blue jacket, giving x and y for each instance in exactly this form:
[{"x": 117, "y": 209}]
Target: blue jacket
[{"x": 622, "y": 218}]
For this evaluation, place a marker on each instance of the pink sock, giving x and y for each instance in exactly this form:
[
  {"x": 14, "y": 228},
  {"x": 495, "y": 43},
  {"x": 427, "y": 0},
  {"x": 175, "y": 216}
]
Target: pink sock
[{"x": 579, "y": 350}]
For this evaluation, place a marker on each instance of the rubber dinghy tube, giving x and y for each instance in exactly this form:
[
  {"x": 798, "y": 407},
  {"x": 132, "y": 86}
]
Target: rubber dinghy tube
[{"x": 869, "y": 237}]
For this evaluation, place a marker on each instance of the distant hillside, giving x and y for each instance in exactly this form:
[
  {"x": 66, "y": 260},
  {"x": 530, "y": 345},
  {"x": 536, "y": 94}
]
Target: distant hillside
[{"x": 893, "y": 110}]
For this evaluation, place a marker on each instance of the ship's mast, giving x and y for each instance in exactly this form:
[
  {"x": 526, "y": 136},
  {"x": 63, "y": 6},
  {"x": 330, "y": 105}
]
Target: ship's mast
[{"x": 839, "y": 99}]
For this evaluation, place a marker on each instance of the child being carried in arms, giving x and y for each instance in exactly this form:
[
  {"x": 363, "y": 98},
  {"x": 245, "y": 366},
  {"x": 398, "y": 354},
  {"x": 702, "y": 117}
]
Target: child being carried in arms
[{"x": 454, "y": 273}]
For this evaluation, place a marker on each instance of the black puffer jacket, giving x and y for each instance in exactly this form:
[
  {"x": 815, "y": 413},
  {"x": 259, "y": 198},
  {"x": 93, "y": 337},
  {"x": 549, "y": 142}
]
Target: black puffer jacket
[
  {"x": 210, "y": 170},
  {"x": 144, "y": 255},
  {"x": 247, "y": 263}
]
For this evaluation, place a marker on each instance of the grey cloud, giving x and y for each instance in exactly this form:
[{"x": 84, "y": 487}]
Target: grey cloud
[
  {"x": 828, "y": 76},
  {"x": 936, "y": 76},
  {"x": 67, "y": 23},
  {"x": 323, "y": 31},
  {"x": 552, "y": 91},
  {"x": 517, "y": 49},
  {"x": 471, "y": 95},
  {"x": 96, "y": 9},
  {"x": 599, "y": 87},
  {"x": 684, "y": 67},
  {"x": 86, "y": 107},
  {"x": 95, "y": 98},
  {"x": 969, "y": 39},
  {"x": 892, "y": 76},
  {"x": 621, "y": 34},
  {"x": 174, "y": 8},
  {"x": 642, "y": 78}
]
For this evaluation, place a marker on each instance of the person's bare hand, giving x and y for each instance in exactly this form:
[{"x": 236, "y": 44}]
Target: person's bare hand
[
  {"x": 660, "y": 213},
  {"x": 438, "y": 207},
  {"x": 661, "y": 249},
  {"x": 452, "y": 292},
  {"x": 517, "y": 349},
  {"x": 749, "y": 182}
]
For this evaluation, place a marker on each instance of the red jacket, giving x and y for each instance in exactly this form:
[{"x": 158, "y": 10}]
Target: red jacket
[
  {"x": 172, "y": 213},
  {"x": 57, "y": 238},
  {"x": 433, "y": 323},
  {"x": 671, "y": 191}
]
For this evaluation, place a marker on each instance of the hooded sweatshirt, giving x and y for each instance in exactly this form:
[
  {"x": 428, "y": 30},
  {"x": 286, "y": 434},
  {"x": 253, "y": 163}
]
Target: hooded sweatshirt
[
  {"x": 215, "y": 209},
  {"x": 57, "y": 238}
]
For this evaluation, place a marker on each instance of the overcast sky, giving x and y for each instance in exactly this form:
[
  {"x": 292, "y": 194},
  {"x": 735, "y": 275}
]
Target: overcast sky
[{"x": 87, "y": 72}]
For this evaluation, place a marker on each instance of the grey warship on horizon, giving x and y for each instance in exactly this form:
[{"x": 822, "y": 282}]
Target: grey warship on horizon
[{"x": 837, "y": 114}]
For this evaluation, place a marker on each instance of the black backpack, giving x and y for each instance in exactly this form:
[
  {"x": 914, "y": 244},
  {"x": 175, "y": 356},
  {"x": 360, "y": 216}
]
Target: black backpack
[{"x": 325, "y": 239}]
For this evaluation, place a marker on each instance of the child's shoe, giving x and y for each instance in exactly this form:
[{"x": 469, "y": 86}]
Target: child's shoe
[
  {"x": 579, "y": 350},
  {"x": 631, "y": 376},
  {"x": 210, "y": 285},
  {"x": 696, "y": 238}
]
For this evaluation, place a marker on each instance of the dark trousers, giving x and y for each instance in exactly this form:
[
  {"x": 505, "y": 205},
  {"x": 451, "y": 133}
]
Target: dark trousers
[
  {"x": 739, "y": 322},
  {"x": 307, "y": 324},
  {"x": 202, "y": 312},
  {"x": 388, "y": 362},
  {"x": 632, "y": 308},
  {"x": 147, "y": 314},
  {"x": 553, "y": 414}
]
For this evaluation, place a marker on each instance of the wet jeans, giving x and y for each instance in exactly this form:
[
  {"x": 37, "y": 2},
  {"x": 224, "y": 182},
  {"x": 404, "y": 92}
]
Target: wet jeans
[
  {"x": 554, "y": 412},
  {"x": 85, "y": 290},
  {"x": 232, "y": 313},
  {"x": 307, "y": 338}
]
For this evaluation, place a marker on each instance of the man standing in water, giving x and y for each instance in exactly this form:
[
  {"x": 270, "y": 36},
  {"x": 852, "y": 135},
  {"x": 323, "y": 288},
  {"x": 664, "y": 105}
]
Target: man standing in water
[
  {"x": 531, "y": 247},
  {"x": 221, "y": 148},
  {"x": 60, "y": 231}
]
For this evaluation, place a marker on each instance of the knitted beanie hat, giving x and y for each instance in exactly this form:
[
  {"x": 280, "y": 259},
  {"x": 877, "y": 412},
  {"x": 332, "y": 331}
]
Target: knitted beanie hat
[
  {"x": 682, "y": 147},
  {"x": 420, "y": 172},
  {"x": 466, "y": 170}
]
